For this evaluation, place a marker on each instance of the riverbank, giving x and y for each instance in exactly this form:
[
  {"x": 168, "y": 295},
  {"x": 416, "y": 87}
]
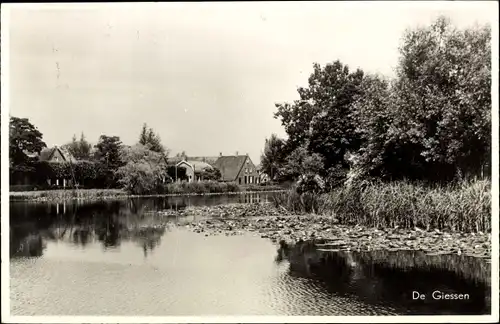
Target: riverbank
[
  {"x": 281, "y": 226},
  {"x": 110, "y": 194},
  {"x": 463, "y": 206}
]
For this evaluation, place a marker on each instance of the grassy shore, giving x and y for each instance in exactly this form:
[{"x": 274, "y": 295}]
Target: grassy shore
[
  {"x": 195, "y": 188},
  {"x": 462, "y": 207}
]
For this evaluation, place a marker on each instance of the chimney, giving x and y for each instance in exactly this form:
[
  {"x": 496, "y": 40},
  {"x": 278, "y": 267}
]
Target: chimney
[
  {"x": 236, "y": 153},
  {"x": 220, "y": 154}
]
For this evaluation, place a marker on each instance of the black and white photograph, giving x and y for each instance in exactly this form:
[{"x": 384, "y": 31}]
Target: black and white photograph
[{"x": 245, "y": 162}]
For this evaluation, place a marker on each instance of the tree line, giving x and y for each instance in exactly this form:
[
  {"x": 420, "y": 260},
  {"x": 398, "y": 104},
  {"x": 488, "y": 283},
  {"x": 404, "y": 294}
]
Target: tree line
[
  {"x": 141, "y": 168},
  {"x": 431, "y": 122}
]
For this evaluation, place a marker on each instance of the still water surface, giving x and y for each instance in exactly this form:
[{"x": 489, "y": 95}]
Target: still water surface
[{"x": 98, "y": 259}]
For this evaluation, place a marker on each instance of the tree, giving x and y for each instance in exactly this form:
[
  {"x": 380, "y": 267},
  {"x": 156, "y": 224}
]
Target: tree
[
  {"x": 211, "y": 174},
  {"x": 108, "y": 150},
  {"x": 143, "y": 138},
  {"x": 108, "y": 155},
  {"x": 443, "y": 98},
  {"x": 151, "y": 139},
  {"x": 24, "y": 139},
  {"x": 373, "y": 115},
  {"x": 79, "y": 149},
  {"x": 273, "y": 159},
  {"x": 301, "y": 163},
  {"x": 320, "y": 120},
  {"x": 142, "y": 172}
]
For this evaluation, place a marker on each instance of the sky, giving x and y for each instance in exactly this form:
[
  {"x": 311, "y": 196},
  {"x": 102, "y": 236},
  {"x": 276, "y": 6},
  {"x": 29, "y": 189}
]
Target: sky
[{"x": 205, "y": 76}]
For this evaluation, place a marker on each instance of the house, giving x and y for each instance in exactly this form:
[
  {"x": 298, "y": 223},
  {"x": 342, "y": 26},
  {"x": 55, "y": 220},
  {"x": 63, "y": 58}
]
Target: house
[
  {"x": 237, "y": 168},
  {"x": 56, "y": 154},
  {"x": 194, "y": 167}
]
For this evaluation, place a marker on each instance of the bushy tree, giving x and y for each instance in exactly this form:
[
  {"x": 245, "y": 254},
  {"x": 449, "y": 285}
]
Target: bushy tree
[
  {"x": 143, "y": 171},
  {"x": 108, "y": 156},
  {"x": 24, "y": 138},
  {"x": 431, "y": 122},
  {"x": 150, "y": 139},
  {"x": 79, "y": 149},
  {"x": 273, "y": 158},
  {"x": 211, "y": 174},
  {"x": 301, "y": 163},
  {"x": 443, "y": 96},
  {"x": 320, "y": 120}
]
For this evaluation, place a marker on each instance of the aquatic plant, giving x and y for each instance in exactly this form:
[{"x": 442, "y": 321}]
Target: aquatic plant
[{"x": 463, "y": 206}]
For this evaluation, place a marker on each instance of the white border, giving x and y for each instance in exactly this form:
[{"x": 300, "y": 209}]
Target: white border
[{"x": 245, "y": 319}]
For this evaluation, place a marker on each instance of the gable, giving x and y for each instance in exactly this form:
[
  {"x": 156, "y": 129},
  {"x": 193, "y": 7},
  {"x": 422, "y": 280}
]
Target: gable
[
  {"x": 55, "y": 154},
  {"x": 230, "y": 166},
  {"x": 248, "y": 169}
]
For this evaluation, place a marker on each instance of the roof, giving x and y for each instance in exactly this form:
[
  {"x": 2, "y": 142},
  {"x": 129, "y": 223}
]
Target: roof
[
  {"x": 230, "y": 166},
  {"x": 197, "y": 166},
  {"x": 47, "y": 153},
  {"x": 200, "y": 166},
  {"x": 207, "y": 159}
]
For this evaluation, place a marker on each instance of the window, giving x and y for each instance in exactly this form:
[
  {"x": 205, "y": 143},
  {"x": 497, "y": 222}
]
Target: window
[
  {"x": 239, "y": 180},
  {"x": 246, "y": 179}
]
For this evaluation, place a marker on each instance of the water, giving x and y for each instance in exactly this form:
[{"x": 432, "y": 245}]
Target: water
[{"x": 94, "y": 259}]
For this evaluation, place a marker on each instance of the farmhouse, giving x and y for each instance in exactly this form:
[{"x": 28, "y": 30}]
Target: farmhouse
[
  {"x": 234, "y": 168},
  {"x": 56, "y": 154},
  {"x": 194, "y": 168},
  {"x": 237, "y": 168}
]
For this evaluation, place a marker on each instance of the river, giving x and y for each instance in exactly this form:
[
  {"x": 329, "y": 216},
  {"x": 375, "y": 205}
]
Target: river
[{"x": 112, "y": 258}]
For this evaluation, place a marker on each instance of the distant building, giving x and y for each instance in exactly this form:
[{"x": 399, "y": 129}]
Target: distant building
[
  {"x": 237, "y": 168},
  {"x": 57, "y": 154},
  {"x": 194, "y": 168}
]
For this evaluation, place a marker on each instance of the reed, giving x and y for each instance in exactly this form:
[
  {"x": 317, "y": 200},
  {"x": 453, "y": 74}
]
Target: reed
[
  {"x": 65, "y": 194},
  {"x": 462, "y": 207}
]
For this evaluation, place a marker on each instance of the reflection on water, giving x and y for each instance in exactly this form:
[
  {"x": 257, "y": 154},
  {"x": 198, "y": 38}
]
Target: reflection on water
[
  {"x": 393, "y": 278},
  {"x": 108, "y": 222},
  {"x": 117, "y": 258}
]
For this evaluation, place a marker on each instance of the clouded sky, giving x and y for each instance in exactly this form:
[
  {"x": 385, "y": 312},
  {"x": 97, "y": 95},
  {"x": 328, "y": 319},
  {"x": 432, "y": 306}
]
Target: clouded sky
[{"x": 205, "y": 76}]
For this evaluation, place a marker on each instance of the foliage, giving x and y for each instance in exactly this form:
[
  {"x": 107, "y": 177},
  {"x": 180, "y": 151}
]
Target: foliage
[
  {"x": 272, "y": 159},
  {"x": 212, "y": 174},
  {"x": 108, "y": 150},
  {"x": 108, "y": 155},
  {"x": 431, "y": 122},
  {"x": 24, "y": 138},
  {"x": 79, "y": 149},
  {"x": 300, "y": 162},
  {"x": 143, "y": 171},
  {"x": 151, "y": 139},
  {"x": 443, "y": 96},
  {"x": 320, "y": 119}
]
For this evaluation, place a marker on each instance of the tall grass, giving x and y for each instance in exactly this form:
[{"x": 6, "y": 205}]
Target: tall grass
[
  {"x": 201, "y": 187},
  {"x": 464, "y": 206},
  {"x": 57, "y": 195}
]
